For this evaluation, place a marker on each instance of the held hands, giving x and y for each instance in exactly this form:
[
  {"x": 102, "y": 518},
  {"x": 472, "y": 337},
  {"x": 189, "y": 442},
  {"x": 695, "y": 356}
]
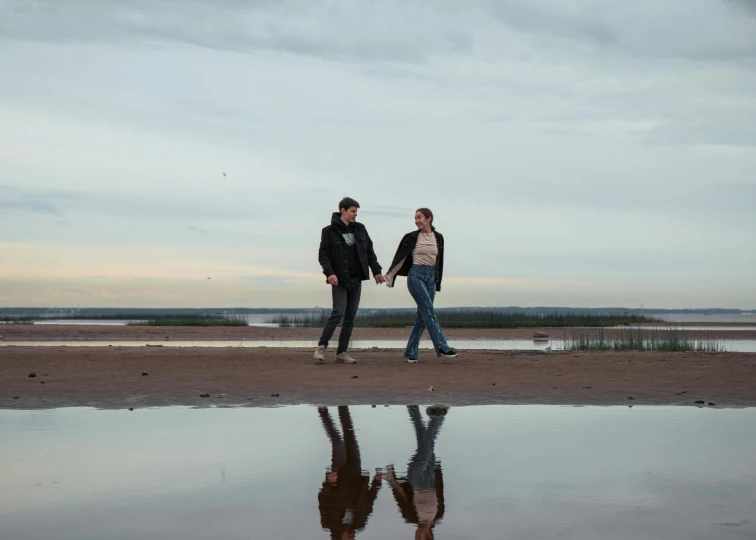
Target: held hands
[{"x": 333, "y": 280}]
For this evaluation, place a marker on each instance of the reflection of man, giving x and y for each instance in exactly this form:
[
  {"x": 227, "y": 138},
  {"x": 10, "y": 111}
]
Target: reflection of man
[
  {"x": 347, "y": 496},
  {"x": 421, "y": 495}
]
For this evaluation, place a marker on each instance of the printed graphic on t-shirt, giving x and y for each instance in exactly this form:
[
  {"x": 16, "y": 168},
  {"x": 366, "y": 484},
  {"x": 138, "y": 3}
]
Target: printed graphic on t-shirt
[{"x": 348, "y": 238}]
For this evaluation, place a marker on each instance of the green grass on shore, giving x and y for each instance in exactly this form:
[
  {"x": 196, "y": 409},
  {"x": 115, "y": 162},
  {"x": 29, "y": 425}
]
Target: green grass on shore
[
  {"x": 637, "y": 339},
  {"x": 455, "y": 318}
]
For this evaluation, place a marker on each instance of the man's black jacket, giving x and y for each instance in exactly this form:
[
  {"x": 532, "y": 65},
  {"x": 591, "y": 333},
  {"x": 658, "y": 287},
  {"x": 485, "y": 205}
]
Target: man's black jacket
[{"x": 333, "y": 254}]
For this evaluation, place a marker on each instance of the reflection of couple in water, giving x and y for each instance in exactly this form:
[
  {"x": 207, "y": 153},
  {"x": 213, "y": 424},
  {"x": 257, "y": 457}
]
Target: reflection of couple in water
[{"x": 347, "y": 496}]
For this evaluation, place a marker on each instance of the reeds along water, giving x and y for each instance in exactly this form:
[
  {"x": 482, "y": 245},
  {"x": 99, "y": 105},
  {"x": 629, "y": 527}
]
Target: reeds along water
[
  {"x": 668, "y": 339},
  {"x": 192, "y": 320},
  {"x": 470, "y": 318}
]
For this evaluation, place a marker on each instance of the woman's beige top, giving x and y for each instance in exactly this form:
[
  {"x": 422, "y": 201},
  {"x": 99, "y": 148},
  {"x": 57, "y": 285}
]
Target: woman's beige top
[
  {"x": 426, "y": 250},
  {"x": 426, "y": 505}
]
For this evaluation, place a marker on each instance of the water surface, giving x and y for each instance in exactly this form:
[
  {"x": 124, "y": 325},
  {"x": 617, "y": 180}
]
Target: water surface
[
  {"x": 732, "y": 345},
  {"x": 498, "y": 472}
]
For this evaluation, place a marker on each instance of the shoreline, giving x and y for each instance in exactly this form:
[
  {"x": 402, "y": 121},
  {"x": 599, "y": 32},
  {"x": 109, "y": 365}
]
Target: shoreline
[{"x": 75, "y": 332}]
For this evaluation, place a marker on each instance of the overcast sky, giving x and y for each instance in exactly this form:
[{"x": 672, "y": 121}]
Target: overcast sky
[{"x": 582, "y": 153}]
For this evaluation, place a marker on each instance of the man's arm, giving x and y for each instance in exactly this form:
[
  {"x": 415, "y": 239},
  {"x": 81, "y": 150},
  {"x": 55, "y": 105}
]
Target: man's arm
[
  {"x": 375, "y": 487},
  {"x": 324, "y": 253},
  {"x": 373, "y": 260}
]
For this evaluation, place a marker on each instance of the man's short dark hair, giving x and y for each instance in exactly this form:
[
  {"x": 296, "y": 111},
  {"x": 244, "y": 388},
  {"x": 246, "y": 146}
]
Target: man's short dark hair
[{"x": 347, "y": 202}]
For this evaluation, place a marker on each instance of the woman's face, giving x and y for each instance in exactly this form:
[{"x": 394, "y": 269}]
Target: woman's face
[
  {"x": 421, "y": 221},
  {"x": 424, "y": 533}
]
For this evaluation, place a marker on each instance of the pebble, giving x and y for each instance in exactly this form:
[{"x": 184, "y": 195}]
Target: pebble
[
  {"x": 144, "y": 374},
  {"x": 32, "y": 374},
  {"x": 204, "y": 395},
  {"x": 274, "y": 395}
]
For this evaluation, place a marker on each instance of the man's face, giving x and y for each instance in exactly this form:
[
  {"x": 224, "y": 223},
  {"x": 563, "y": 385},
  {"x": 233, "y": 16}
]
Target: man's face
[{"x": 349, "y": 215}]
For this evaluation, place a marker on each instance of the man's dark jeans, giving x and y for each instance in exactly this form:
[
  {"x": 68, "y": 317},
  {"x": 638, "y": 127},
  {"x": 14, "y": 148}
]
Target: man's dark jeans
[{"x": 346, "y": 302}]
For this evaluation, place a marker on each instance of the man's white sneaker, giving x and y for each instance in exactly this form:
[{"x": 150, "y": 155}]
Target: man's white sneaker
[
  {"x": 344, "y": 358},
  {"x": 319, "y": 354},
  {"x": 411, "y": 360}
]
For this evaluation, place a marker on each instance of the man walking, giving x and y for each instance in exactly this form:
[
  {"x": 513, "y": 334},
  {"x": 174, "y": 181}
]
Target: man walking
[{"x": 346, "y": 255}]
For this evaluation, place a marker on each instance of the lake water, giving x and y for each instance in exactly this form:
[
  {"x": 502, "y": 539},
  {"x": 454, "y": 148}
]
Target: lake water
[
  {"x": 490, "y": 472},
  {"x": 257, "y": 319},
  {"x": 731, "y": 345}
]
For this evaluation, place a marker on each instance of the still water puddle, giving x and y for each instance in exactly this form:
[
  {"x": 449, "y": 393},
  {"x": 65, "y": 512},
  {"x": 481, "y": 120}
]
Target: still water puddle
[
  {"x": 378, "y": 473},
  {"x": 731, "y": 345}
]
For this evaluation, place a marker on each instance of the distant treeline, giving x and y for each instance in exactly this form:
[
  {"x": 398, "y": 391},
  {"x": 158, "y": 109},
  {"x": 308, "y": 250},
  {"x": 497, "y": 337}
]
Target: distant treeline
[
  {"x": 467, "y": 318},
  {"x": 17, "y": 313},
  {"x": 39, "y": 313}
]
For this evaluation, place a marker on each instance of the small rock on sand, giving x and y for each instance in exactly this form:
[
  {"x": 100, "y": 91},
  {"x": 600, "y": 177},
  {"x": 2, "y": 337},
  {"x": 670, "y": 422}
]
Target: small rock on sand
[
  {"x": 32, "y": 374},
  {"x": 144, "y": 374},
  {"x": 204, "y": 395}
]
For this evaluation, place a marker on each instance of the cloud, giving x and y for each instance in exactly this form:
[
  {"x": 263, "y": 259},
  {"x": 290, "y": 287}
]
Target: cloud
[
  {"x": 34, "y": 206},
  {"x": 368, "y": 31},
  {"x": 542, "y": 133},
  {"x": 389, "y": 211}
]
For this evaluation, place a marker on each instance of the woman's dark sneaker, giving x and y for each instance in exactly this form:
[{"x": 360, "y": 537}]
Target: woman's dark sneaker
[{"x": 451, "y": 353}]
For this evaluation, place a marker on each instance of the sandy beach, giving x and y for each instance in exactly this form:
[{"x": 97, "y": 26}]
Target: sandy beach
[{"x": 136, "y": 377}]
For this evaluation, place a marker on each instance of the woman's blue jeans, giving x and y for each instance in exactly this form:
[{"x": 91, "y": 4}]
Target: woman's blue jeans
[{"x": 421, "y": 282}]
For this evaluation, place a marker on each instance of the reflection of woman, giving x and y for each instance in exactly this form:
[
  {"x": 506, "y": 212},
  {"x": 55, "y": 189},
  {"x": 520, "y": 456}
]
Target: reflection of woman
[
  {"x": 421, "y": 495},
  {"x": 420, "y": 257},
  {"x": 347, "y": 496}
]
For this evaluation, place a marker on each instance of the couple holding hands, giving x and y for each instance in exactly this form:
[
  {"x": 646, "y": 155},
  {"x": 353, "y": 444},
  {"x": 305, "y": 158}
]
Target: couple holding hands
[{"x": 347, "y": 256}]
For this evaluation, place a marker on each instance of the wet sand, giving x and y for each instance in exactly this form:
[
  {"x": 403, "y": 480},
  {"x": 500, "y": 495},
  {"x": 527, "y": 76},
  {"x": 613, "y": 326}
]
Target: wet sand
[{"x": 111, "y": 377}]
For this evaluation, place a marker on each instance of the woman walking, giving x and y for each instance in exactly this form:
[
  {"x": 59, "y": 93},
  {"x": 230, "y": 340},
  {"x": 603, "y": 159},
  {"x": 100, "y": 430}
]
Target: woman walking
[{"x": 420, "y": 257}]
